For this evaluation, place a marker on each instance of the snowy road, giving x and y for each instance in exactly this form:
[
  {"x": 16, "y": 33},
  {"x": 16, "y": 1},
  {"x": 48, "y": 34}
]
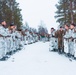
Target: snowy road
[{"x": 36, "y": 59}]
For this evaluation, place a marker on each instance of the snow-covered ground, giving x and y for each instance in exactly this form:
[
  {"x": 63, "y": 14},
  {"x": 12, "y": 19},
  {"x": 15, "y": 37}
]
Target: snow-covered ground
[{"x": 35, "y": 59}]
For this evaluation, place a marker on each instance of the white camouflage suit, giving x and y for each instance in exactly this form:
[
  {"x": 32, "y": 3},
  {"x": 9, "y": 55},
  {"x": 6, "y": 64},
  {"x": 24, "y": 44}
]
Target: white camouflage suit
[
  {"x": 7, "y": 41},
  {"x": 3, "y": 47},
  {"x": 75, "y": 43},
  {"x": 27, "y": 37},
  {"x": 71, "y": 41},
  {"x": 13, "y": 41},
  {"x": 66, "y": 41},
  {"x": 53, "y": 41},
  {"x": 18, "y": 40}
]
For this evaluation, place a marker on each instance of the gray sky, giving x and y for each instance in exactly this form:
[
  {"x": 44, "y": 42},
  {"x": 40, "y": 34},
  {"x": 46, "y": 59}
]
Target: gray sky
[{"x": 33, "y": 11}]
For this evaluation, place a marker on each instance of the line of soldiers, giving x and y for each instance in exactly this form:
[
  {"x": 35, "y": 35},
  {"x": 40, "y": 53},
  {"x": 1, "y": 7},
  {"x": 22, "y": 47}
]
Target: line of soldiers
[
  {"x": 13, "y": 40},
  {"x": 63, "y": 40},
  {"x": 30, "y": 36}
]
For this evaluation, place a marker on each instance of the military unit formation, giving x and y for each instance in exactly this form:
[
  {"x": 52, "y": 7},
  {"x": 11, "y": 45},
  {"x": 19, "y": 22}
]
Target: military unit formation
[
  {"x": 13, "y": 40},
  {"x": 63, "y": 40}
]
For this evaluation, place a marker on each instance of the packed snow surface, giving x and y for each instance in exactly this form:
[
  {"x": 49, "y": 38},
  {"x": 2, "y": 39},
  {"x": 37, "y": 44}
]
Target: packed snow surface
[{"x": 35, "y": 59}]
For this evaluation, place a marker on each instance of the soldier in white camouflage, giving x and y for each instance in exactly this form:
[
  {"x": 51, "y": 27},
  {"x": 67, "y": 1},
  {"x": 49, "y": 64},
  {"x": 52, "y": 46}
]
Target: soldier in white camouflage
[
  {"x": 52, "y": 40},
  {"x": 12, "y": 30},
  {"x": 3, "y": 36},
  {"x": 74, "y": 37},
  {"x": 66, "y": 40},
  {"x": 71, "y": 40}
]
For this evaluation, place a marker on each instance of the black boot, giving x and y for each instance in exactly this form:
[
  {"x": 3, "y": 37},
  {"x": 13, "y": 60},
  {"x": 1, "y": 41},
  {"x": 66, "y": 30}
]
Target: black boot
[{"x": 59, "y": 51}]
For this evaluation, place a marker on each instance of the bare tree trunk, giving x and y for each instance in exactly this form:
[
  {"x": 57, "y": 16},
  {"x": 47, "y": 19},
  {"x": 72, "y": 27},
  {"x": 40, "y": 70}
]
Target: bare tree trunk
[
  {"x": 71, "y": 11},
  {"x": 64, "y": 1}
]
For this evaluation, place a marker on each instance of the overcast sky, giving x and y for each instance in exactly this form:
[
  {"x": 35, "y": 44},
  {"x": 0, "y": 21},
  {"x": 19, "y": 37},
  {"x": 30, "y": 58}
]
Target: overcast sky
[{"x": 33, "y": 11}]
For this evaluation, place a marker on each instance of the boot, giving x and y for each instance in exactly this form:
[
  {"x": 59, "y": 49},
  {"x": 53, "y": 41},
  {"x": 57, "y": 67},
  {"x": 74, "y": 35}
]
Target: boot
[{"x": 59, "y": 51}]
